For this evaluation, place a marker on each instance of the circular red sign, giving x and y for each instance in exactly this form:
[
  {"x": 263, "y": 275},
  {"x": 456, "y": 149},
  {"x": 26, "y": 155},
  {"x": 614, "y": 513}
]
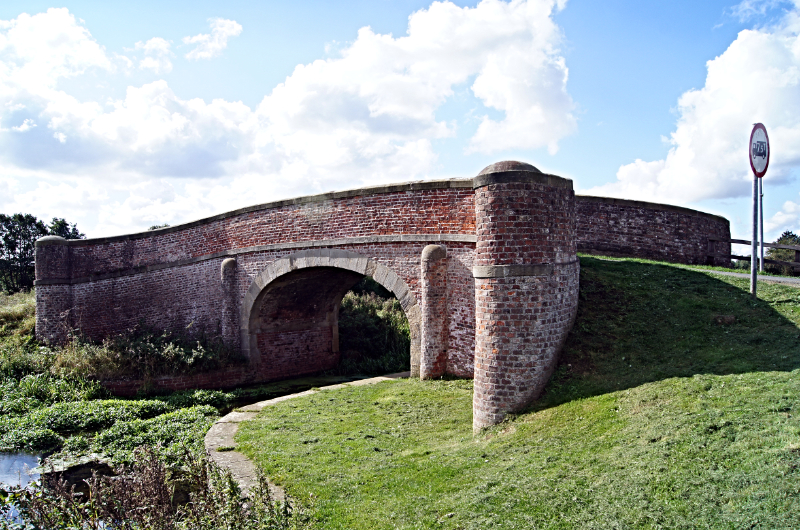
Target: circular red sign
[{"x": 759, "y": 150}]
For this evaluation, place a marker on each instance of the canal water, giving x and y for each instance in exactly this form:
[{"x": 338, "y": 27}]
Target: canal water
[{"x": 15, "y": 468}]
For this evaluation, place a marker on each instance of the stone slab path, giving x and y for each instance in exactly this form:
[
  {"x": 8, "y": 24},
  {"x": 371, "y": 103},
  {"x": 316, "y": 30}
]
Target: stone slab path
[{"x": 220, "y": 443}]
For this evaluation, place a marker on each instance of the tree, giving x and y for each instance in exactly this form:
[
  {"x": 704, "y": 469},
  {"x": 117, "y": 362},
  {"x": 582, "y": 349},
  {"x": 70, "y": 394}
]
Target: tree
[
  {"x": 18, "y": 235},
  {"x": 59, "y": 227},
  {"x": 784, "y": 254}
]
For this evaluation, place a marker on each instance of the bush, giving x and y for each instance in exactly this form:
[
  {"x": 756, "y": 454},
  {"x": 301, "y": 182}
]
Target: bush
[
  {"x": 17, "y": 314},
  {"x": 189, "y": 398},
  {"x": 33, "y": 391},
  {"x": 143, "y": 353},
  {"x": 783, "y": 254},
  {"x": 171, "y": 434},
  {"x": 374, "y": 335}
]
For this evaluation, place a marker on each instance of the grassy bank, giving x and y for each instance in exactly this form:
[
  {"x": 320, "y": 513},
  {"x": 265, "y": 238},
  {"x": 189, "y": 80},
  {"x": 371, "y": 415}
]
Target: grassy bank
[
  {"x": 51, "y": 401},
  {"x": 674, "y": 406}
]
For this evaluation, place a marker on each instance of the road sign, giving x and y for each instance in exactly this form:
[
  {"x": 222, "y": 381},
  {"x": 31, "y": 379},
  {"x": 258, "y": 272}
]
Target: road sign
[
  {"x": 759, "y": 162},
  {"x": 759, "y": 150}
]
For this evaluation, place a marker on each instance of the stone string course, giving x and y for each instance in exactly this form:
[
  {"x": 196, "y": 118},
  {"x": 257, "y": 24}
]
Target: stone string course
[{"x": 492, "y": 297}]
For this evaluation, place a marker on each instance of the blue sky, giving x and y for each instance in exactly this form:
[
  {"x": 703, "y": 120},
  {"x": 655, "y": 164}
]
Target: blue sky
[{"x": 119, "y": 115}]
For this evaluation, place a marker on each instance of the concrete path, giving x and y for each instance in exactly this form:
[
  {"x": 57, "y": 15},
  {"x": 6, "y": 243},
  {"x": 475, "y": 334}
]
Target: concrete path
[
  {"x": 762, "y": 278},
  {"x": 220, "y": 443}
]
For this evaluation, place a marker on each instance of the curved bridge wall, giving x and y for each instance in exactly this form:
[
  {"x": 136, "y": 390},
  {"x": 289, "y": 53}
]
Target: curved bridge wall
[{"x": 636, "y": 229}]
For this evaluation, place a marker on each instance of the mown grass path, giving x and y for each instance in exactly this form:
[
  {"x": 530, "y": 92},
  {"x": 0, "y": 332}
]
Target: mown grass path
[{"x": 674, "y": 405}]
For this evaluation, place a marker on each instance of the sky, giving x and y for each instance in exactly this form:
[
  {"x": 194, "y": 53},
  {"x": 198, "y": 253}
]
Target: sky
[{"x": 121, "y": 115}]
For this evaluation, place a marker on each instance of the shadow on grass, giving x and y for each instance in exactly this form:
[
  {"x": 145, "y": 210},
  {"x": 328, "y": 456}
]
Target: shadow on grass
[{"x": 640, "y": 322}]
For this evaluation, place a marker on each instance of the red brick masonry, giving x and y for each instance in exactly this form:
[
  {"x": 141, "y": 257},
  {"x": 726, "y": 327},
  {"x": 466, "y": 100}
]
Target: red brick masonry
[{"x": 493, "y": 296}]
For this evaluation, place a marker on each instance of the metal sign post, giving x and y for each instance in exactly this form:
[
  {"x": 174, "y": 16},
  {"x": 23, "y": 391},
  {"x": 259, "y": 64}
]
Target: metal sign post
[
  {"x": 761, "y": 224},
  {"x": 759, "y": 162}
]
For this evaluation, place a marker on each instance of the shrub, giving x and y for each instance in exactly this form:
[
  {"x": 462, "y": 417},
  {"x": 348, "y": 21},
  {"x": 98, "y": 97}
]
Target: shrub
[
  {"x": 17, "y": 313},
  {"x": 374, "y": 335},
  {"x": 19, "y": 360},
  {"x": 143, "y": 353},
  {"x": 170, "y": 433},
  {"x": 62, "y": 419},
  {"x": 782, "y": 254},
  {"x": 33, "y": 391},
  {"x": 189, "y": 398}
]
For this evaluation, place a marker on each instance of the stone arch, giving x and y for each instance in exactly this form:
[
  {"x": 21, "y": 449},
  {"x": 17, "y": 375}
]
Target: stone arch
[{"x": 340, "y": 260}]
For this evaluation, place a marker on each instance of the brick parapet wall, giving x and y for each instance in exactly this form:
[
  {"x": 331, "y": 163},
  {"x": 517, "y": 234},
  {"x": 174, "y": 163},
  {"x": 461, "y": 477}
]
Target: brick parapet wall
[
  {"x": 617, "y": 227},
  {"x": 443, "y": 207}
]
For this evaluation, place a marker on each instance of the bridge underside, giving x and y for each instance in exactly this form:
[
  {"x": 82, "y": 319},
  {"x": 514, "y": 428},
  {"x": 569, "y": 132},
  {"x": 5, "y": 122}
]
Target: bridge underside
[{"x": 294, "y": 321}]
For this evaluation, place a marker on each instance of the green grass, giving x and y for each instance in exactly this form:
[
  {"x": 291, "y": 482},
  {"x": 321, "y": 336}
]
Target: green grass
[
  {"x": 657, "y": 417},
  {"x": 742, "y": 268}
]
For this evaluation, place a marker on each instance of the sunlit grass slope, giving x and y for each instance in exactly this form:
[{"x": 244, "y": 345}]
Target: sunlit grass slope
[{"x": 665, "y": 412}]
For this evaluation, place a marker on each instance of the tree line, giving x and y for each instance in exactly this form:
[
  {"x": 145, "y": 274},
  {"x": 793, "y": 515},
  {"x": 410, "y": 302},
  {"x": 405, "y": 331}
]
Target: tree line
[{"x": 18, "y": 235}]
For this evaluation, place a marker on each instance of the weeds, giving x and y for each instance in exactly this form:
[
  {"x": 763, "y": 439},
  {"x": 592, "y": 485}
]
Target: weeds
[
  {"x": 171, "y": 433},
  {"x": 17, "y": 313},
  {"x": 144, "y": 496}
]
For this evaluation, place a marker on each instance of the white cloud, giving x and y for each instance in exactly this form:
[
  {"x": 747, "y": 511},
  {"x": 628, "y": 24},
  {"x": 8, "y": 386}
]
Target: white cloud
[
  {"x": 27, "y": 124},
  {"x": 37, "y": 51},
  {"x": 757, "y": 79},
  {"x": 157, "y": 53},
  {"x": 211, "y": 45},
  {"x": 384, "y": 91},
  {"x": 788, "y": 218},
  {"x": 750, "y": 9},
  {"x": 363, "y": 116}
]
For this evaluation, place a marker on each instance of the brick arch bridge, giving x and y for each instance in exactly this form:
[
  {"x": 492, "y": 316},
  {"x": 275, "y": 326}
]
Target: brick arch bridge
[{"x": 485, "y": 269}]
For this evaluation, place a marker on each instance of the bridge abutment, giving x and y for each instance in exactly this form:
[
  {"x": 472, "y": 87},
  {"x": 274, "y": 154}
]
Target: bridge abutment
[{"x": 526, "y": 285}]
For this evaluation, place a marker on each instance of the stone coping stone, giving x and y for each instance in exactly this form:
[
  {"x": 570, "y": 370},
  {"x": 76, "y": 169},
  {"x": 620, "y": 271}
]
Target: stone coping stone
[{"x": 220, "y": 439}]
